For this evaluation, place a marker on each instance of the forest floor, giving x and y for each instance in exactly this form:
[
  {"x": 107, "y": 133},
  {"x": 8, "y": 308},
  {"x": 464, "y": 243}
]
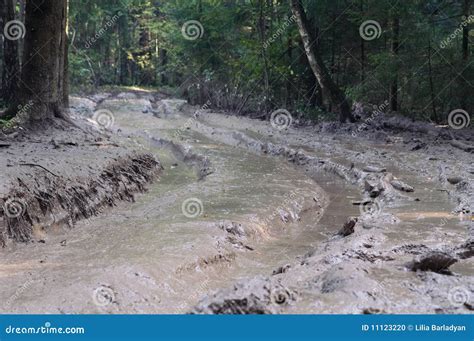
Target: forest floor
[{"x": 244, "y": 217}]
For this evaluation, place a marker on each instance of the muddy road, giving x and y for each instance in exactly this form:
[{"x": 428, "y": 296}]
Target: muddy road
[{"x": 249, "y": 218}]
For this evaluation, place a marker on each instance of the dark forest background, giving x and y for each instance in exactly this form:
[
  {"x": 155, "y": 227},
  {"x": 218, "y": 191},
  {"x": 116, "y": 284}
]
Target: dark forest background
[{"x": 248, "y": 56}]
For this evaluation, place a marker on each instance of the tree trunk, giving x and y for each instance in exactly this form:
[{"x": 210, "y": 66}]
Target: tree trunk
[
  {"x": 394, "y": 50},
  {"x": 362, "y": 49},
  {"x": 289, "y": 81},
  {"x": 64, "y": 76},
  {"x": 434, "y": 116},
  {"x": 11, "y": 70},
  {"x": 465, "y": 30},
  {"x": 42, "y": 88},
  {"x": 337, "y": 97},
  {"x": 21, "y": 17},
  {"x": 262, "y": 32},
  {"x": 163, "y": 55},
  {"x": 124, "y": 42},
  {"x": 465, "y": 85}
]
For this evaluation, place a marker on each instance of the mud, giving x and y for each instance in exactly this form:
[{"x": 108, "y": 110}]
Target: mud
[
  {"x": 302, "y": 220},
  {"x": 55, "y": 178}
]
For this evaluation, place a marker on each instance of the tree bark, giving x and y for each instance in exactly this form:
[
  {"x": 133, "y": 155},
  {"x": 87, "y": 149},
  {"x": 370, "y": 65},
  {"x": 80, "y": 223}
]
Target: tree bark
[
  {"x": 64, "y": 75},
  {"x": 465, "y": 85},
  {"x": 42, "y": 88},
  {"x": 11, "y": 69},
  {"x": 395, "y": 45},
  {"x": 465, "y": 30},
  {"x": 362, "y": 49},
  {"x": 337, "y": 97},
  {"x": 124, "y": 42}
]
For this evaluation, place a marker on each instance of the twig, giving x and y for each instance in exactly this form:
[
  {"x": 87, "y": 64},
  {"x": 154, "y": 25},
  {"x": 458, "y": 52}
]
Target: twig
[
  {"x": 36, "y": 165},
  {"x": 104, "y": 144}
]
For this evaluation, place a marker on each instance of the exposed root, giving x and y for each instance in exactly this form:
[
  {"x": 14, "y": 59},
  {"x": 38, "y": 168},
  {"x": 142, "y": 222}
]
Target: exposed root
[{"x": 51, "y": 200}]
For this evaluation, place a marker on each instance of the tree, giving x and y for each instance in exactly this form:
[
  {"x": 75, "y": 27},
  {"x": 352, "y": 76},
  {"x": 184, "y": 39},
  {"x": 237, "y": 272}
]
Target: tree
[
  {"x": 11, "y": 69},
  {"x": 124, "y": 39},
  {"x": 337, "y": 97},
  {"x": 395, "y": 45},
  {"x": 43, "y": 88},
  {"x": 465, "y": 85}
]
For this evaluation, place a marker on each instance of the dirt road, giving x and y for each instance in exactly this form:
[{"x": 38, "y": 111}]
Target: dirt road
[{"x": 250, "y": 218}]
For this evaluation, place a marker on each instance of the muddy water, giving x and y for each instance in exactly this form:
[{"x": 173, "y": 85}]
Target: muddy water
[{"x": 151, "y": 257}]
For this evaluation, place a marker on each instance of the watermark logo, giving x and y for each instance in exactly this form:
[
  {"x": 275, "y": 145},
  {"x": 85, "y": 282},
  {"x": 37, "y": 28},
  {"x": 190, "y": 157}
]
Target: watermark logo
[
  {"x": 377, "y": 110},
  {"x": 281, "y": 119},
  {"x": 105, "y": 118},
  {"x": 280, "y": 296},
  {"x": 14, "y": 30},
  {"x": 20, "y": 291},
  {"x": 370, "y": 30},
  {"x": 458, "y": 296},
  {"x": 457, "y": 32},
  {"x": 280, "y": 31},
  {"x": 103, "y": 295},
  {"x": 14, "y": 208},
  {"x": 109, "y": 23},
  {"x": 370, "y": 207},
  {"x": 192, "y": 208},
  {"x": 192, "y": 30},
  {"x": 459, "y": 119}
]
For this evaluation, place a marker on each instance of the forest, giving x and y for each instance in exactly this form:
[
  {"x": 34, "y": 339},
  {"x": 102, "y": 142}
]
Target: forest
[
  {"x": 249, "y": 56},
  {"x": 236, "y": 157}
]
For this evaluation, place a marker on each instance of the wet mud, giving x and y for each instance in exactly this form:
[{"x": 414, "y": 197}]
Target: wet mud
[{"x": 248, "y": 219}]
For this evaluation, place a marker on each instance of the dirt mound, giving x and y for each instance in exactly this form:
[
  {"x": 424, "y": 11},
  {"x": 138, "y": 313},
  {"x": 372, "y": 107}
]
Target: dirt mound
[
  {"x": 49, "y": 199},
  {"x": 257, "y": 296}
]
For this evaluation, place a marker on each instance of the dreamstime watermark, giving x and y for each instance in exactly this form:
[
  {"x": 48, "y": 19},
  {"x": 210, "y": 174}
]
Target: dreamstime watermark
[
  {"x": 14, "y": 30},
  {"x": 281, "y": 119},
  {"x": 282, "y": 210},
  {"x": 458, "y": 296},
  {"x": 14, "y": 208},
  {"x": 100, "y": 33},
  {"x": 23, "y": 110},
  {"x": 279, "y": 32},
  {"x": 280, "y": 296},
  {"x": 459, "y": 119},
  {"x": 370, "y": 207},
  {"x": 377, "y": 110},
  {"x": 457, "y": 32},
  {"x": 103, "y": 296},
  {"x": 46, "y": 329},
  {"x": 104, "y": 118},
  {"x": 17, "y": 294},
  {"x": 192, "y": 208},
  {"x": 190, "y": 121},
  {"x": 370, "y": 30},
  {"x": 194, "y": 296},
  {"x": 192, "y": 30}
]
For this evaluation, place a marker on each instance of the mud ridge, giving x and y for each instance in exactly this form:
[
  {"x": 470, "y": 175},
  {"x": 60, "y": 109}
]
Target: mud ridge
[
  {"x": 346, "y": 265},
  {"x": 34, "y": 205},
  {"x": 200, "y": 163}
]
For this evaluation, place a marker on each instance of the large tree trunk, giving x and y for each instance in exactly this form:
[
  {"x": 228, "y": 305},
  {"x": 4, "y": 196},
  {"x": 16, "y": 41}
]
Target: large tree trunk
[
  {"x": 337, "y": 97},
  {"x": 42, "y": 88},
  {"x": 11, "y": 70}
]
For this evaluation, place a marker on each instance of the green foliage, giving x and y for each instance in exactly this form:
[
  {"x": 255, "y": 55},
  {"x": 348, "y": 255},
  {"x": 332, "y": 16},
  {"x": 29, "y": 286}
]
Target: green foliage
[{"x": 249, "y": 56}]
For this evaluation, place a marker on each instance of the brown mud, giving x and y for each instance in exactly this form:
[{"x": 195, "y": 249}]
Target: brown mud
[{"x": 301, "y": 220}]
